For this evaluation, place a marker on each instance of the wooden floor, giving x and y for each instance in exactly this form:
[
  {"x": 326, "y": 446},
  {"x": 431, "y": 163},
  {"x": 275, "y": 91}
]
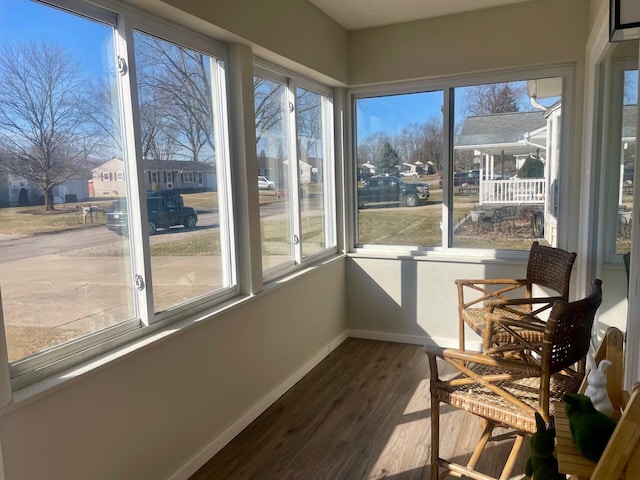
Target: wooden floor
[{"x": 362, "y": 413}]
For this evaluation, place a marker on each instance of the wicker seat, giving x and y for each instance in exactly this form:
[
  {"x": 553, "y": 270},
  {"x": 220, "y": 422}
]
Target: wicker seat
[
  {"x": 507, "y": 392},
  {"x": 549, "y": 268}
]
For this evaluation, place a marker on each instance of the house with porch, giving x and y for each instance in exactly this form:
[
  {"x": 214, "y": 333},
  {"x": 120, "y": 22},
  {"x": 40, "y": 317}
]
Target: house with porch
[{"x": 521, "y": 135}]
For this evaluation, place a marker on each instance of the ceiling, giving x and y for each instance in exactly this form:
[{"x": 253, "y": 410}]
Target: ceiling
[{"x": 357, "y": 14}]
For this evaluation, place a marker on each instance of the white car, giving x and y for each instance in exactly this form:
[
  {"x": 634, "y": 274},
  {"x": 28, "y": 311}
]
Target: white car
[
  {"x": 265, "y": 184},
  {"x": 409, "y": 173}
]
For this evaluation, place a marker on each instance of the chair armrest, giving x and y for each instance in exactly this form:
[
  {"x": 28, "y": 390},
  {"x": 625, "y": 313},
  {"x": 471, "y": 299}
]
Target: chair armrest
[
  {"x": 520, "y": 301},
  {"x": 480, "y": 285},
  {"x": 491, "y": 281},
  {"x": 505, "y": 303},
  {"x": 434, "y": 352}
]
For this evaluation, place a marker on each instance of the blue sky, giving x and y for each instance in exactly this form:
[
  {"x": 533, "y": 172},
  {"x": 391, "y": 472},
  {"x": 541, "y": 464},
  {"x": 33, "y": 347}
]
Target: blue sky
[
  {"x": 87, "y": 41},
  {"x": 392, "y": 113}
]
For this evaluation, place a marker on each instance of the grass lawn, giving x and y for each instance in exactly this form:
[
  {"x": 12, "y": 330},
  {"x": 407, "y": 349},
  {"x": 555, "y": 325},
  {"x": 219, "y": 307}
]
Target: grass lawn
[{"x": 391, "y": 225}]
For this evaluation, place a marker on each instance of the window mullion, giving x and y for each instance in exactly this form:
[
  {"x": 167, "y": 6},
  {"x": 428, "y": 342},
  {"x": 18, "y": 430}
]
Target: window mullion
[
  {"x": 294, "y": 173},
  {"x": 329, "y": 173},
  {"x": 226, "y": 211},
  {"x": 447, "y": 168},
  {"x": 141, "y": 264}
]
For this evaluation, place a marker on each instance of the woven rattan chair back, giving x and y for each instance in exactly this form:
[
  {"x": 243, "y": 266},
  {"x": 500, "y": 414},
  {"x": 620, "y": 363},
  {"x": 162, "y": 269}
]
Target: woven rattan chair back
[
  {"x": 568, "y": 332},
  {"x": 548, "y": 268},
  {"x": 551, "y": 268}
]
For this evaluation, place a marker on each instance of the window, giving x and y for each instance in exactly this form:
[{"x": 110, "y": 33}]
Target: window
[
  {"x": 499, "y": 184},
  {"x": 399, "y": 160},
  {"x": 295, "y": 167},
  {"x": 131, "y": 275},
  {"x": 627, "y": 149},
  {"x": 508, "y": 147},
  {"x": 85, "y": 305},
  {"x": 187, "y": 177},
  {"x": 314, "y": 161}
]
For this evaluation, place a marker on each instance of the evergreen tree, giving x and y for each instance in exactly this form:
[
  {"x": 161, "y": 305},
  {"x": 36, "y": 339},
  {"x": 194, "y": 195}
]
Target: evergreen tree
[
  {"x": 387, "y": 160},
  {"x": 532, "y": 168}
]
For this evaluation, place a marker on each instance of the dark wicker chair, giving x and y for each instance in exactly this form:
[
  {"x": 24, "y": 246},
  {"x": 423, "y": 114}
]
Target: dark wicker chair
[
  {"x": 508, "y": 392},
  {"x": 547, "y": 267}
]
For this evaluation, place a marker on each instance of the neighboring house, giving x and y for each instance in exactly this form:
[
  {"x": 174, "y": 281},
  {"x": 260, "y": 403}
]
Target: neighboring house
[
  {"x": 11, "y": 185},
  {"x": 521, "y": 134},
  {"x": 108, "y": 178}
]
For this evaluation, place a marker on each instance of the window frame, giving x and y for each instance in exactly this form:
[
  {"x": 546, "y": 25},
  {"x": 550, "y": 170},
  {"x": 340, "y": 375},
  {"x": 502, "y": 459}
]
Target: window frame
[
  {"x": 127, "y": 18},
  {"x": 448, "y": 86},
  {"x": 291, "y": 81},
  {"x": 611, "y": 152}
]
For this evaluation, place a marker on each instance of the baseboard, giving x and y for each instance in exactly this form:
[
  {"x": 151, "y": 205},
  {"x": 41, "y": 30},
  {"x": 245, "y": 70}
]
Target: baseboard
[
  {"x": 412, "y": 339},
  {"x": 219, "y": 442}
]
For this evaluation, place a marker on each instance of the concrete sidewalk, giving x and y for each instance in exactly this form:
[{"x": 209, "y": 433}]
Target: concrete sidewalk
[{"x": 84, "y": 294}]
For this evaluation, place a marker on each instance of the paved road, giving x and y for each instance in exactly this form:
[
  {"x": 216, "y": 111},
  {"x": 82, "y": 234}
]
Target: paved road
[{"x": 19, "y": 248}]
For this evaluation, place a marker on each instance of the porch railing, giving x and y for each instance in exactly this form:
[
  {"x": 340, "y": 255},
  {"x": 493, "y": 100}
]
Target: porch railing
[{"x": 516, "y": 191}]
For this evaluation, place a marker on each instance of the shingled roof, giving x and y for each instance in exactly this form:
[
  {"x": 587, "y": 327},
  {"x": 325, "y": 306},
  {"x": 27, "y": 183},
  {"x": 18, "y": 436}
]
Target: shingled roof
[{"x": 499, "y": 129}]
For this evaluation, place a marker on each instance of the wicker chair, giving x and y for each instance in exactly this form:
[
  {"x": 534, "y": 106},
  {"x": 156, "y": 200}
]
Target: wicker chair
[
  {"x": 507, "y": 392},
  {"x": 547, "y": 267}
]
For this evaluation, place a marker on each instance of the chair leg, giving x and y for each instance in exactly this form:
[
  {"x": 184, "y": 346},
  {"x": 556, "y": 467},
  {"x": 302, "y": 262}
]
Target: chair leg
[
  {"x": 435, "y": 436},
  {"x": 486, "y": 435},
  {"x": 511, "y": 461}
]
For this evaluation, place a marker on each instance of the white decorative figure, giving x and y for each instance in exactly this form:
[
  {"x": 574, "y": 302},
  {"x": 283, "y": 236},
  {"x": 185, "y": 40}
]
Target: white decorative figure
[{"x": 597, "y": 385}]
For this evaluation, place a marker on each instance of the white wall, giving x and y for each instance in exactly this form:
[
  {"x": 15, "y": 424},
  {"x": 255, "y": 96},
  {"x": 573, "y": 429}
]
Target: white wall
[
  {"x": 538, "y": 32},
  {"x": 415, "y": 298},
  {"x": 293, "y": 33},
  {"x": 145, "y": 415}
]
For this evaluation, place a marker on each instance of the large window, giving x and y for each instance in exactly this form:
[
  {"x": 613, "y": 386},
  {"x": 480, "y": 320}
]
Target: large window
[
  {"x": 85, "y": 262},
  {"x": 295, "y": 170},
  {"x": 626, "y": 117},
  {"x": 116, "y": 183},
  {"x": 399, "y": 156},
  {"x": 506, "y": 164},
  {"x": 474, "y": 165}
]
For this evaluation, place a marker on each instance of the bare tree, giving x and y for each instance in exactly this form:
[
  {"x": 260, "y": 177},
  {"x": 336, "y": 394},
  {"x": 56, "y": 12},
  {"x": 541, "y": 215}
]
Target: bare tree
[
  {"x": 493, "y": 98},
  {"x": 433, "y": 142},
  {"x": 103, "y": 117},
  {"x": 370, "y": 148},
  {"x": 158, "y": 141},
  {"x": 41, "y": 119},
  {"x": 176, "y": 81},
  {"x": 309, "y": 123},
  {"x": 268, "y": 103}
]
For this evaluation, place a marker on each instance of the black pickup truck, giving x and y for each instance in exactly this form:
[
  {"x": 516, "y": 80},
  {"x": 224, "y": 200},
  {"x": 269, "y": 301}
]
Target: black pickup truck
[
  {"x": 165, "y": 208},
  {"x": 389, "y": 189}
]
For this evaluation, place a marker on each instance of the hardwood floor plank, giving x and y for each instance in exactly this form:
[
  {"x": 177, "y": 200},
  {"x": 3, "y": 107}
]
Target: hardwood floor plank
[{"x": 362, "y": 413}]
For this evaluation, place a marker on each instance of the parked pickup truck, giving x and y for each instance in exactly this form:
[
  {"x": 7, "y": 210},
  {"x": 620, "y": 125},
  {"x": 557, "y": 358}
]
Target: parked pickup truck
[
  {"x": 165, "y": 208},
  {"x": 392, "y": 190}
]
